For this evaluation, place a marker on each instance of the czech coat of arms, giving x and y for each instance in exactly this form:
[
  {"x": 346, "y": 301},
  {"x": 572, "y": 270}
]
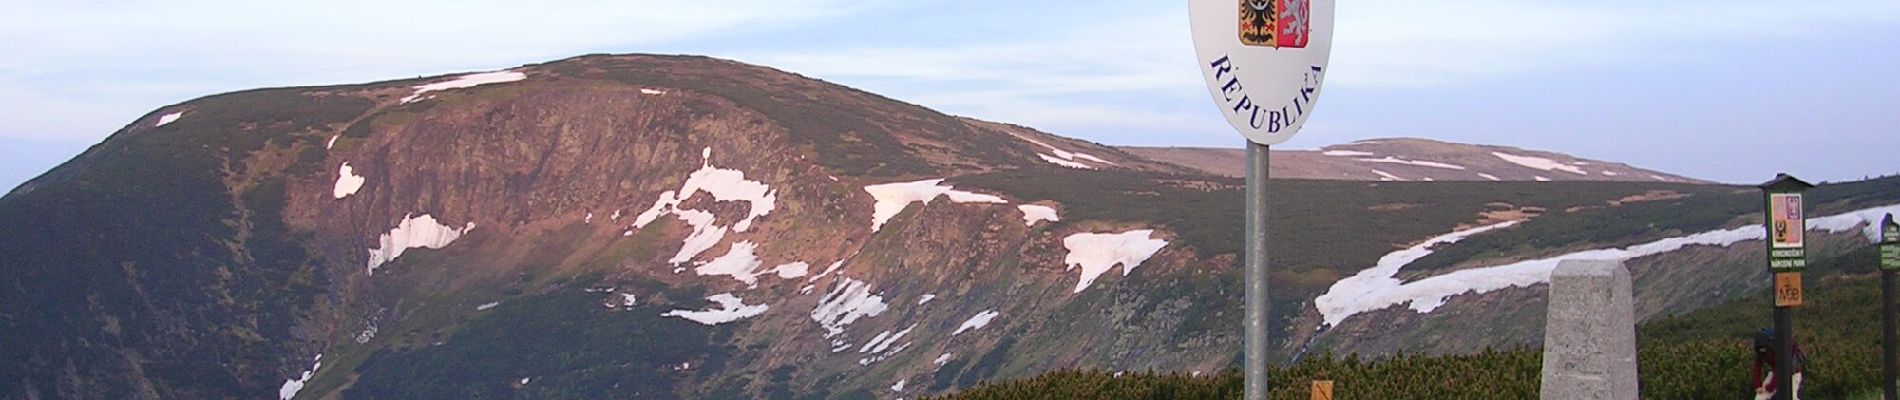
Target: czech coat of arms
[{"x": 1274, "y": 23}]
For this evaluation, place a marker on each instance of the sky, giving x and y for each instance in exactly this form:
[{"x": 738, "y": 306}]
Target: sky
[{"x": 1732, "y": 91}]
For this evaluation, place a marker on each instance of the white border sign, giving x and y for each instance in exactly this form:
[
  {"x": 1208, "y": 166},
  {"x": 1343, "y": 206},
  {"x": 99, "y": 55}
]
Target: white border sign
[{"x": 1264, "y": 61}]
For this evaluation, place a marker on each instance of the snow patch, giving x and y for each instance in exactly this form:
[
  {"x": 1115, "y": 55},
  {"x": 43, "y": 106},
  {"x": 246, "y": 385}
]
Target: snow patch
[
  {"x": 723, "y": 185},
  {"x": 874, "y": 341},
  {"x": 742, "y": 264},
  {"x": 1369, "y": 289},
  {"x": 1377, "y": 288},
  {"x": 1066, "y": 163},
  {"x": 627, "y": 300},
  {"x": 291, "y": 387},
  {"x": 1383, "y": 176},
  {"x": 347, "y": 182},
  {"x": 588, "y": 219},
  {"x": 1396, "y": 160},
  {"x": 413, "y": 233},
  {"x": 979, "y": 321},
  {"x": 792, "y": 270},
  {"x": 488, "y": 306},
  {"x": 881, "y": 357},
  {"x": 847, "y": 301},
  {"x": 731, "y": 308},
  {"x": 1097, "y": 252},
  {"x": 899, "y": 387},
  {"x": 1033, "y": 213},
  {"x": 332, "y": 142},
  {"x": 368, "y": 333},
  {"x": 738, "y": 263},
  {"x": 1087, "y": 157},
  {"x": 652, "y": 92},
  {"x": 1540, "y": 178},
  {"x": 943, "y": 359},
  {"x": 828, "y": 270},
  {"x": 1489, "y": 176},
  {"x": 465, "y": 81},
  {"x": 884, "y": 340},
  {"x": 1064, "y": 157},
  {"x": 926, "y": 299},
  {"x": 1346, "y": 153},
  {"x": 168, "y": 118},
  {"x": 893, "y": 197},
  {"x": 1539, "y": 163}
]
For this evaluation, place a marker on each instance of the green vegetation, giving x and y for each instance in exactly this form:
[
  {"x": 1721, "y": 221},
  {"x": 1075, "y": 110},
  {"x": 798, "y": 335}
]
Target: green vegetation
[
  {"x": 1707, "y": 208},
  {"x": 137, "y": 253},
  {"x": 1309, "y": 218},
  {"x": 564, "y": 344},
  {"x": 1700, "y": 355}
]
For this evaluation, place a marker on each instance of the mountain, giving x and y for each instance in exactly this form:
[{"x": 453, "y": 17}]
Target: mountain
[
  {"x": 1410, "y": 159},
  {"x": 642, "y": 226}
]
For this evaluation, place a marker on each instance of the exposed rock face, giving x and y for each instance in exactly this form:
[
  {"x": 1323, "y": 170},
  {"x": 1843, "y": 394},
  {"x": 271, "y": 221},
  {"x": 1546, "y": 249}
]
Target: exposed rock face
[{"x": 246, "y": 236}]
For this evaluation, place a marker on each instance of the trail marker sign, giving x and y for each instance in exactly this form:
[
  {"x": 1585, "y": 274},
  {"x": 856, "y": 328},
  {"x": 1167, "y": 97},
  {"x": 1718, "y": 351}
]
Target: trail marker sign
[
  {"x": 1322, "y": 390},
  {"x": 1786, "y": 221},
  {"x": 1787, "y": 289},
  {"x": 1890, "y": 245}
]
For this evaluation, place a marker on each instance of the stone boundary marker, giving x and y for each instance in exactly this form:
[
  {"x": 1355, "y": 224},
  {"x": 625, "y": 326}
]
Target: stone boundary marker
[{"x": 1590, "y": 333}]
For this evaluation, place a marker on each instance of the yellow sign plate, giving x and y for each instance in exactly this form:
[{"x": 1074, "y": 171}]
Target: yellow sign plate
[
  {"x": 1322, "y": 390},
  {"x": 1788, "y": 289}
]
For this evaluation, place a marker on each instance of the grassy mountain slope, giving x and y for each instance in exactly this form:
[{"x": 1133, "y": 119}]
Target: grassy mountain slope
[
  {"x": 1700, "y": 355},
  {"x": 211, "y": 257}
]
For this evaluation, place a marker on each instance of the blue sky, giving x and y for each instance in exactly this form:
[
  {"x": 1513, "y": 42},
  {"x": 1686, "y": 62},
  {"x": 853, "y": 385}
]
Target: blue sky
[{"x": 1709, "y": 89}]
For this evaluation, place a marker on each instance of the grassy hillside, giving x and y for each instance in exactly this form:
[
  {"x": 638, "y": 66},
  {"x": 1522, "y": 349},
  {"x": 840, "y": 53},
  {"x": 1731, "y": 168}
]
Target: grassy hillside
[
  {"x": 1705, "y": 208},
  {"x": 559, "y": 345},
  {"x": 156, "y": 254},
  {"x": 1701, "y": 355}
]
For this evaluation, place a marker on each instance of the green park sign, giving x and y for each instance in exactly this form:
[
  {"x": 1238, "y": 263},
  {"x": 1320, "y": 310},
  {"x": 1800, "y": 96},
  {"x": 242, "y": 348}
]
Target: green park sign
[{"x": 1890, "y": 245}]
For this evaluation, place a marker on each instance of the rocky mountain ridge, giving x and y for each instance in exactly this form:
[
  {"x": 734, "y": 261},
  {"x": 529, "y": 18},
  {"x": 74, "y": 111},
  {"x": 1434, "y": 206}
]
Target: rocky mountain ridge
[
  {"x": 1411, "y": 159},
  {"x": 641, "y": 226}
]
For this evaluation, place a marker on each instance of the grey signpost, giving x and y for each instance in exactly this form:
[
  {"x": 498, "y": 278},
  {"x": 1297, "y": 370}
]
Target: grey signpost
[
  {"x": 1263, "y": 61},
  {"x": 1889, "y": 264},
  {"x": 1787, "y": 255},
  {"x": 1256, "y": 275}
]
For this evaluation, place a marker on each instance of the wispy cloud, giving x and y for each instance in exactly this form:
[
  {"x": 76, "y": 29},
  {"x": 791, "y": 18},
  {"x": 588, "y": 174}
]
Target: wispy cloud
[
  {"x": 1413, "y": 43},
  {"x": 78, "y": 69},
  {"x": 88, "y": 66},
  {"x": 1102, "y": 74}
]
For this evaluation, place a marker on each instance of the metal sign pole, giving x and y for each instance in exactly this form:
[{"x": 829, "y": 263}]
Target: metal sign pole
[
  {"x": 1889, "y": 262},
  {"x": 1256, "y": 272},
  {"x": 1264, "y": 62}
]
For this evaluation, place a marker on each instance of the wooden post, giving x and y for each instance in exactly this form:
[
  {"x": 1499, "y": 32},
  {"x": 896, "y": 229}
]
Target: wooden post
[
  {"x": 1889, "y": 264},
  {"x": 1786, "y": 221}
]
